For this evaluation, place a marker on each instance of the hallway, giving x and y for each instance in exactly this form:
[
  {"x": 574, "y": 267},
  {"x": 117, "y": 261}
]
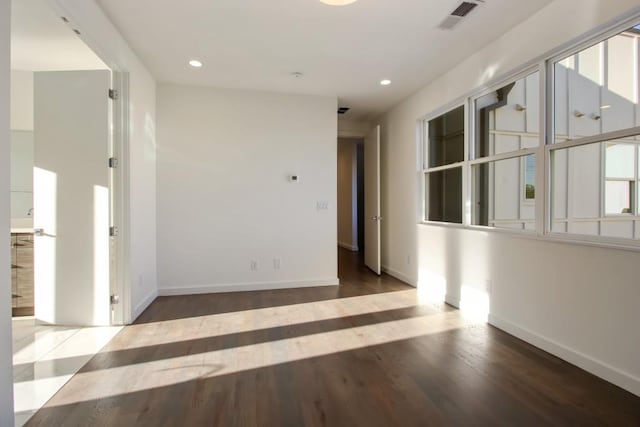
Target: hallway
[{"x": 366, "y": 353}]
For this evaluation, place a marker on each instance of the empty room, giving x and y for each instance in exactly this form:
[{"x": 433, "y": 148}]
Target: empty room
[{"x": 320, "y": 212}]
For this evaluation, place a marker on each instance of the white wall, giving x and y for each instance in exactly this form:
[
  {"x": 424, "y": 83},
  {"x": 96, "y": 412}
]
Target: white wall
[
  {"x": 21, "y": 100},
  {"x": 6, "y": 358},
  {"x": 577, "y": 302},
  {"x": 224, "y": 195},
  {"x": 348, "y": 128},
  {"x": 347, "y": 193},
  {"x": 21, "y": 112},
  {"x": 100, "y": 34}
]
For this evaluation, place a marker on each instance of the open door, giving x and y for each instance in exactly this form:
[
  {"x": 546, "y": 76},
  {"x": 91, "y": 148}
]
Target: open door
[
  {"x": 71, "y": 197},
  {"x": 372, "y": 216}
]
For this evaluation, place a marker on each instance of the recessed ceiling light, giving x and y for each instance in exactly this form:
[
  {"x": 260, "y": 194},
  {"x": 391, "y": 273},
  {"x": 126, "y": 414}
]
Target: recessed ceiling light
[
  {"x": 338, "y": 2},
  {"x": 385, "y": 82},
  {"x": 604, "y": 107},
  {"x": 195, "y": 63}
]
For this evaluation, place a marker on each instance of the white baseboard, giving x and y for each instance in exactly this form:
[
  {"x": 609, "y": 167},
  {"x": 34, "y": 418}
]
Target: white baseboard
[
  {"x": 245, "y": 287},
  {"x": 603, "y": 370},
  {"x": 142, "y": 306},
  {"x": 400, "y": 276},
  {"x": 349, "y": 247},
  {"x": 453, "y": 301}
]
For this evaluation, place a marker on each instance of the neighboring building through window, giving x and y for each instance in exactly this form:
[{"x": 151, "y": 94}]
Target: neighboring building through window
[
  {"x": 507, "y": 132},
  {"x": 595, "y": 179}
]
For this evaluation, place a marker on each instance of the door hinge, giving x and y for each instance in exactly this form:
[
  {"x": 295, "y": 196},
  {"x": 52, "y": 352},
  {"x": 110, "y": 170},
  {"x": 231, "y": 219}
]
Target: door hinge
[
  {"x": 113, "y": 162},
  {"x": 114, "y": 299},
  {"x": 113, "y": 231},
  {"x": 113, "y": 94}
]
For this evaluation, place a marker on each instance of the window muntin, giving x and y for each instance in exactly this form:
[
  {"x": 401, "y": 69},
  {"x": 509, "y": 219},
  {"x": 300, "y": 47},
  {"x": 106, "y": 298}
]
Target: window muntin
[{"x": 596, "y": 89}]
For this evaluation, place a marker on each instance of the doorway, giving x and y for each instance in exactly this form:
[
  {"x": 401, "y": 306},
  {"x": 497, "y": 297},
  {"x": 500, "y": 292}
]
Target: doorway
[
  {"x": 351, "y": 194},
  {"x": 63, "y": 123}
]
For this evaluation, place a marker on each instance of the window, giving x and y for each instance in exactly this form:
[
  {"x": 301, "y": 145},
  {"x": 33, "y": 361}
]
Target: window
[
  {"x": 504, "y": 170},
  {"x": 443, "y": 168},
  {"x": 588, "y": 157},
  {"x": 595, "y": 154}
]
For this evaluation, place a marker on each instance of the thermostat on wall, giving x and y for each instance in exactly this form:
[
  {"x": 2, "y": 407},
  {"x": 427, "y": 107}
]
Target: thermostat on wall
[{"x": 294, "y": 178}]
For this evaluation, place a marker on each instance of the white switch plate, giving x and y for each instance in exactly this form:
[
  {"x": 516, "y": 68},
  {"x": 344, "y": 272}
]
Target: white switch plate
[{"x": 322, "y": 205}]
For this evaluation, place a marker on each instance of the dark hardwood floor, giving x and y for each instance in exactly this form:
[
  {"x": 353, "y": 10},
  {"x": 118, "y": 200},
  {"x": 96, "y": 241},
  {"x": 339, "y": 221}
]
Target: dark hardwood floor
[{"x": 367, "y": 353}]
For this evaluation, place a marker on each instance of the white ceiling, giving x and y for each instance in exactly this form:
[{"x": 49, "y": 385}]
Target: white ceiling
[
  {"x": 342, "y": 51},
  {"x": 40, "y": 41}
]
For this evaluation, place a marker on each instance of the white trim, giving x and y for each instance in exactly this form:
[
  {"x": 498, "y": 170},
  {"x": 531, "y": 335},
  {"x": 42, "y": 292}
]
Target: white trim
[
  {"x": 594, "y": 139},
  {"x": 453, "y": 301},
  {"x": 349, "y": 247},
  {"x": 350, "y": 133},
  {"x": 400, "y": 276},
  {"x": 523, "y": 152},
  {"x": 146, "y": 302},
  {"x": 122, "y": 217},
  {"x": 603, "y": 370},
  {"x": 562, "y": 238},
  {"x": 245, "y": 287},
  {"x": 445, "y": 167}
]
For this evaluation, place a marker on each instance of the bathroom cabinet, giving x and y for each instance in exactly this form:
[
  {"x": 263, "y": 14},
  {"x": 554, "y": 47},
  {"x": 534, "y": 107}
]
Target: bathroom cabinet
[{"x": 22, "y": 301}]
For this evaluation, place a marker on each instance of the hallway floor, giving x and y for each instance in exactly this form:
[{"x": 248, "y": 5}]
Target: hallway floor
[{"x": 367, "y": 353}]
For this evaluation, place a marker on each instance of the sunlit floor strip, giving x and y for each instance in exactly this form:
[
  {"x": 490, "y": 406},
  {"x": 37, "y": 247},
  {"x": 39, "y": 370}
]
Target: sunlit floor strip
[
  {"x": 208, "y": 326},
  {"x": 46, "y": 357},
  {"x": 165, "y": 372}
]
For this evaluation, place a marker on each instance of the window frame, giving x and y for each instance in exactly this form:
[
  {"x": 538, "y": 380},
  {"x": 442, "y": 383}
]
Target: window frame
[
  {"x": 521, "y": 153},
  {"x": 425, "y": 170},
  {"x": 544, "y": 64}
]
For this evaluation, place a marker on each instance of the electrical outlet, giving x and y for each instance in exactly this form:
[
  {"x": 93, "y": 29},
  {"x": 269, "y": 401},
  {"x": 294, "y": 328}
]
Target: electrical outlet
[
  {"x": 276, "y": 263},
  {"x": 254, "y": 265},
  {"x": 322, "y": 205}
]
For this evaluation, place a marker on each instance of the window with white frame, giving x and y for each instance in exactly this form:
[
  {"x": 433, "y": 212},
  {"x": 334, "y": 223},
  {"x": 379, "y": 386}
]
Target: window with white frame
[
  {"x": 595, "y": 154},
  {"x": 506, "y": 136},
  {"x": 444, "y": 154},
  {"x": 588, "y": 157}
]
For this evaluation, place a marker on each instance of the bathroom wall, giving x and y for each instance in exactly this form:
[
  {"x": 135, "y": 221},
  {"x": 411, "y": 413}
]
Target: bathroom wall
[{"x": 21, "y": 142}]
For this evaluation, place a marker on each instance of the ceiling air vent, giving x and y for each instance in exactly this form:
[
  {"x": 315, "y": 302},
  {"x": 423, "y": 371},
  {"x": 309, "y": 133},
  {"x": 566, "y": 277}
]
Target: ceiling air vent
[
  {"x": 464, "y": 9},
  {"x": 456, "y": 16},
  {"x": 343, "y": 110}
]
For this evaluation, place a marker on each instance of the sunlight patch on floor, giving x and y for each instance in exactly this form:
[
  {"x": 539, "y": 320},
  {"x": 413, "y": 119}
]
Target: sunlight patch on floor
[
  {"x": 165, "y": 372},
  {"x": 168, "y": 331},
  {"x": 46, "y": 357}
]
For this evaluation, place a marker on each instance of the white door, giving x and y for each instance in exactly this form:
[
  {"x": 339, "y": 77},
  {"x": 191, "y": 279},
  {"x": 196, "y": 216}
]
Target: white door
[
  {"x": 372, "y": 200},
  {"x": 71, "y": 197}
]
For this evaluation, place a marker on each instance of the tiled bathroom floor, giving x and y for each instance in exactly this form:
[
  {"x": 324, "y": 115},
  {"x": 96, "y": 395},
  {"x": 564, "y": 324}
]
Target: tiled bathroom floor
[{"x": 46, "y": 357}]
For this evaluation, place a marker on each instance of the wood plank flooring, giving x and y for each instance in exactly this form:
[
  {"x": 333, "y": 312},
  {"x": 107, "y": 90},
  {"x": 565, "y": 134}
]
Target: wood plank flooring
[{"x": 367, "y": 353}]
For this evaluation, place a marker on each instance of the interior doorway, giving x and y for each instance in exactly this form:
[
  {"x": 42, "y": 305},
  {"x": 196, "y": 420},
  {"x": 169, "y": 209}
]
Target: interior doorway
[
  {"x": 63, "y": 122},
  {"x": 351, "y": 194}
]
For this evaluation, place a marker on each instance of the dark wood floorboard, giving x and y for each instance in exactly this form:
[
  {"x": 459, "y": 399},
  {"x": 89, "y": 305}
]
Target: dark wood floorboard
[{"x": 366, "y": 353}]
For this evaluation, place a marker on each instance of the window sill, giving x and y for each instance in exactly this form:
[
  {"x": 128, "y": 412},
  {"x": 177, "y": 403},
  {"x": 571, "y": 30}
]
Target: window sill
[{"x": 573, "y": 239}]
